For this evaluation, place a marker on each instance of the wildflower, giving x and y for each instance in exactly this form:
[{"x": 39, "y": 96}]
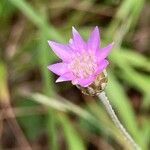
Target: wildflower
[{"x": 82, "y": 62}]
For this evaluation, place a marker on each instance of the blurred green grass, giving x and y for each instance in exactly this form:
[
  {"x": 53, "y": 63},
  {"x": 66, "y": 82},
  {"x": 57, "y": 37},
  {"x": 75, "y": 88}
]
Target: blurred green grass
[{"x": 129, "y": 69}]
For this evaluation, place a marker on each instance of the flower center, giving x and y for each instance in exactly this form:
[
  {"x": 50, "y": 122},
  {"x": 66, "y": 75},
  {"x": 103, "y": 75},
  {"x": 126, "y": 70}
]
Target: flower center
[{"x": 83, "y": 65}]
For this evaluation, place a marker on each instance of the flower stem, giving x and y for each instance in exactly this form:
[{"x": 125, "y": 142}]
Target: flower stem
[{"x": 115, "y": 119}]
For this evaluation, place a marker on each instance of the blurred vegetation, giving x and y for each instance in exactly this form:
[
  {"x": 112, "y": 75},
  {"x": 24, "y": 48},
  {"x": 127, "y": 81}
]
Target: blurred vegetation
[{"x": 57, "y": 116}]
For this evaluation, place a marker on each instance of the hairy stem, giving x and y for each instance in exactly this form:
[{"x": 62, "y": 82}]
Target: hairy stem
[{"x": 102, "y": 96}]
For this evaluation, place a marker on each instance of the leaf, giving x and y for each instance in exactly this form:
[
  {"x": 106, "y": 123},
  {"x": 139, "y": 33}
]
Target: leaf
[
  {"x": 131, "y": 76},
  {"x": 132, "y": 58},
  {"x": 37, "y": 19},
  {"x": 73, "y": 139},
  {"x": 4, "y": 93}
]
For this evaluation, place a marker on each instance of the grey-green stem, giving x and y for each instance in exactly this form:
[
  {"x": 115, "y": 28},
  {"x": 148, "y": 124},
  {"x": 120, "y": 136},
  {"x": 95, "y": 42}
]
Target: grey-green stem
[{"x": 102, "y": 96}]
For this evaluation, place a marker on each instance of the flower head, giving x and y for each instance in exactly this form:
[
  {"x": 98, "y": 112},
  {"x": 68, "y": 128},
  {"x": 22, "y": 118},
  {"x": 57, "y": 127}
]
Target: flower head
[{"x": 82, "y": 61}]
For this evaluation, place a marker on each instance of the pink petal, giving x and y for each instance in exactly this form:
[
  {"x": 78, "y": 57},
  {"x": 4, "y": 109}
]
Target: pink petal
[
  {"x": 72, "y": 45},
  {"x": 84, "y": 82},
  {"x": 94, "y": 40},
  {"x": 65, "y": 77},
  {"x": 101, "y": 66},
  {"x": 62, "y": 51},
  {"x": 59, "y": 68},
  {"x": 77, "y": 41},
  {"x": 104, "y": 52}
]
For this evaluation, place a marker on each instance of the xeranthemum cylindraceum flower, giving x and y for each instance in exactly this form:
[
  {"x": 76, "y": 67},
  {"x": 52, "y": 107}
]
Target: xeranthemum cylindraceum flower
[{"x": 81, "y": 61}]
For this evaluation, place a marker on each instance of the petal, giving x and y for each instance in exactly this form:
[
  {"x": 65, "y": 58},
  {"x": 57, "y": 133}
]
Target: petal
[
  {"x": 70, "y": 41},
  {"x": 62, "y": 51},
  {"x": 71, "y": 44},
  {"x": 94, "y": 40},
  {"x": 104, "y": 52},
  {"x": 61, "y": 79},
  {"x": 77, "y": 41},
  {"x": 101, "y": 66},
  {"x": 59, "y": 68},
  {"x": 65, "y": 77},
  {"x": 84, "y": 82}
]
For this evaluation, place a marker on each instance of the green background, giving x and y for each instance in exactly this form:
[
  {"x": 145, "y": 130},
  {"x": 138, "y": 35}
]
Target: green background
[{"x": 57, "y": 116}]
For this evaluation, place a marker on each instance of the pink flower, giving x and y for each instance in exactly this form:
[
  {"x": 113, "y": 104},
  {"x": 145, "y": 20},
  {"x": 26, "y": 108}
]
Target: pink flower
[{"x": 82, "y": 61}]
